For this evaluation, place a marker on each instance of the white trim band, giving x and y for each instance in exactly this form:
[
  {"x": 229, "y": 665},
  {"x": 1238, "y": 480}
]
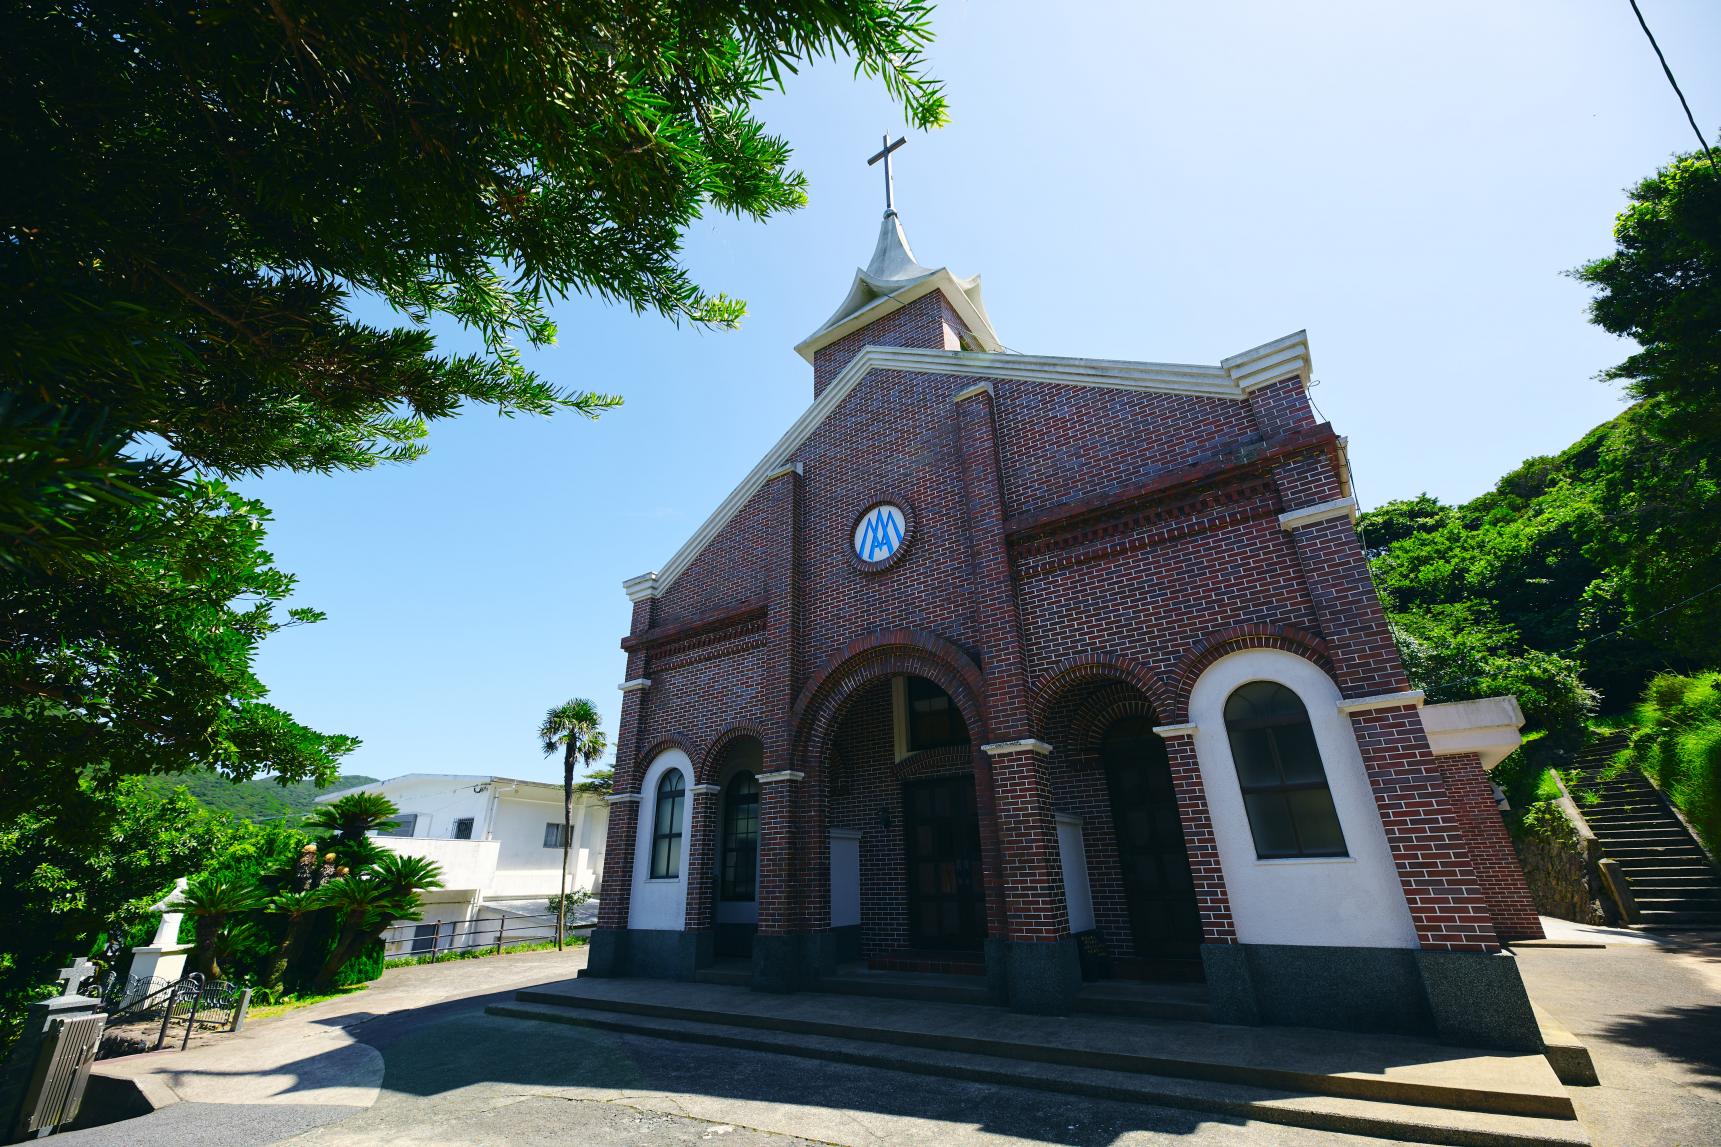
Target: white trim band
[
  {"x": 1309, "y": 515},
  {"x": 638, "y": 684},
  {"x": 1168, "y": 731},
  {"x": 1025, "y": 745},
  {"x": 622, "y": 798},
  {"x": 786, "y": 468},
  {"x": 781, "y": 775},
  {"x": 705, "y": 790},
  {"x": 1349, "y": 705},
  {"x": 974, "y": 391}
]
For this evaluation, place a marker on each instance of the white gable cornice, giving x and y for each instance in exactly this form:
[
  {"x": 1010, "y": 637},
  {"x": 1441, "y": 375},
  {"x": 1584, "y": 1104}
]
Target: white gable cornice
[{"x": 1232, "y": 379}]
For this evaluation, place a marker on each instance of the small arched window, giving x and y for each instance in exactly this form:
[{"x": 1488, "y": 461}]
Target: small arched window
[
  {"x": 666, "y": 827},
  {"x": 740, "y": 866},
  {"x": 1279, "y": 767}
]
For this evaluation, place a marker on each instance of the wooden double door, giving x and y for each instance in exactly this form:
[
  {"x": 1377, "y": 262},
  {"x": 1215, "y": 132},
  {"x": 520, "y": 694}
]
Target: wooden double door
[
  {"x": 1165, "y": 920},
  {"x": 941, "y": 844}
]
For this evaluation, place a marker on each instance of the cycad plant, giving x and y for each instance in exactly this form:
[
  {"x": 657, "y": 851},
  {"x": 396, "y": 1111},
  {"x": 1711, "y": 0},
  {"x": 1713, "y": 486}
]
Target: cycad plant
[
  {"x": 209, "y": 901},
  {"x": 571, "y": 727},
  {"x": 351, "y": 820},
  {"x": 369, "y": 902},
  {"x": 298, "y": 908}
]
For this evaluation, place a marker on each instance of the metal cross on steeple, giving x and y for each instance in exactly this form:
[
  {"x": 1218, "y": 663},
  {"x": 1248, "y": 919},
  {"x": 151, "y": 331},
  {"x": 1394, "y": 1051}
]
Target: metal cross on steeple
[{"x": 884, "y": 154}]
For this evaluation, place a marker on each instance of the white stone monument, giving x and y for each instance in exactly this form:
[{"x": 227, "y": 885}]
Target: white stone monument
[{"x": 164, "y": 957}]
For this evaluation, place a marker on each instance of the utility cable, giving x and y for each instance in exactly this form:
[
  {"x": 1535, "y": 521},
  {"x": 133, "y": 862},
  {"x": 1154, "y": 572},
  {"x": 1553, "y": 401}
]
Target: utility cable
[{"x": 1702, "y": 140}]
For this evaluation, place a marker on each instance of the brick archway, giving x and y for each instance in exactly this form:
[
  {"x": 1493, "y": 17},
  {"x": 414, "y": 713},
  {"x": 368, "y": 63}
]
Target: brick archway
[
  {"x": 823, "y": 700},
  {"x": 706, "y": 770},
  {"x": 658, "y": 747},
  {"x": 1089, "y": 668},
  {"x": 826, "y": 698},
  {"x": 1196, "y": 659}
]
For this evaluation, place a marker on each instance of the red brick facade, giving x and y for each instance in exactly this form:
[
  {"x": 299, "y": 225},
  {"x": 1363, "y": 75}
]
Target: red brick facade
[{"x": 1078, "y": 552}]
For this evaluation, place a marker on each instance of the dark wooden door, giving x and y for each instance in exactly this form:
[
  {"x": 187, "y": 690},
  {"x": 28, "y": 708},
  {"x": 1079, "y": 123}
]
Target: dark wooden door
[
  {"x": 941, "y": 837},
  {"x": 1164, "y": 919}
]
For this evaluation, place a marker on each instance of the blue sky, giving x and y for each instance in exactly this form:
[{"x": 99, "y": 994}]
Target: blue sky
[{"x": 1160, "y": 181}]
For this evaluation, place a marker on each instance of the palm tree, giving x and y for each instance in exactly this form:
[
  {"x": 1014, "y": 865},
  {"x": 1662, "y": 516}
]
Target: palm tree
[
  {"x": 209, "y": 901},
  {"x": 573, "y": 728}
]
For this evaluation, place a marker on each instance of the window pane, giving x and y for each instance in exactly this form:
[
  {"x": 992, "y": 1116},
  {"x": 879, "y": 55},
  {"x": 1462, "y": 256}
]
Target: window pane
[
  {"x": 552, "y": 836},
  {"x": 1298, "y": 756},
  {"x": 1270, "y": 822},
  {"x": 672, "y": 865},
  {"x": 1317, "y": 822},
  {"x": 660, "y": 857},
  {"x": 1252, "y": 749}
]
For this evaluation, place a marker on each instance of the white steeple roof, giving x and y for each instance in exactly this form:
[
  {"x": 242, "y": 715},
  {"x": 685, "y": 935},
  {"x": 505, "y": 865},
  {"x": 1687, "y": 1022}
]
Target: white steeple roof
[{"x": 892, "y": 279}]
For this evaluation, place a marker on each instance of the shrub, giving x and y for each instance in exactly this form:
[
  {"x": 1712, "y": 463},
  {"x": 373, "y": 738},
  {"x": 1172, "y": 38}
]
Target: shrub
[
  {"x": 1678, "y": 746},
  {"x": 362, "y": 968}
]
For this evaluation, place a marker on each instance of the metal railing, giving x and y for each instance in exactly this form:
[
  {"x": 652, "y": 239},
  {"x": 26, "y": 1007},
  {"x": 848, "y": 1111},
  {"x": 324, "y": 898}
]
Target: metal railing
[
  {"x": 450, "y": 937},
  {"x": 213, "y": 1005}
]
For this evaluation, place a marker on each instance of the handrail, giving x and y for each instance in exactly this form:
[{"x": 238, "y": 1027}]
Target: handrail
[{"x": 450, "y": 936}]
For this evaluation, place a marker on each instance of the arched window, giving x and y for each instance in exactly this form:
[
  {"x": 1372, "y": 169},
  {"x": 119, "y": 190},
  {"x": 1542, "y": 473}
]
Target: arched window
[
  {"x": 666, "y": 829},
  {"x": 1279, "y": 766},
  {"x": 740, "y": 862}
]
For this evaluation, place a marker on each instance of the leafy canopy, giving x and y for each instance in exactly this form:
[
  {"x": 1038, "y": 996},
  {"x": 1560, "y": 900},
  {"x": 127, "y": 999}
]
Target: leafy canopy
[{"x": 210, "y": 184}]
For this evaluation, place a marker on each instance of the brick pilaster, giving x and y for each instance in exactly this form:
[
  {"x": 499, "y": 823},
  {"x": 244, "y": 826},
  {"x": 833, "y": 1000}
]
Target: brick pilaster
[
  {"x": 1033, "y": 875},
  {"x": 779, "y": 851},
  {"x": 1423, "y": 830},
  {"x": 1205, "y": 871},
  {"x": 1504, "y": 888},
  {"x": 1365, "y": 661},
  {"x": 618, "y": 861},
  {"x": 701, "y": 857}
]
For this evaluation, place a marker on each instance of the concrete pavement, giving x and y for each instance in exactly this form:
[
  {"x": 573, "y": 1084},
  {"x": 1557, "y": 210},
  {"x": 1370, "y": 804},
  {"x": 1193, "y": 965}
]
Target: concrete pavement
[{"x": 413, "y": 1059}]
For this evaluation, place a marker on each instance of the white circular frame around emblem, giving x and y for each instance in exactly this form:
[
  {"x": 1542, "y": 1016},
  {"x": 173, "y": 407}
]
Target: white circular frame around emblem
[{"x": 881, "y": 533}]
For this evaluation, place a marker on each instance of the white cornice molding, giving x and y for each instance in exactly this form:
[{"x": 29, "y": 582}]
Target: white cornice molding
[
  {"x": 781, "y": 775},
  {"x": 974, "y": 391},
  {"x": 786, "y": 468},
  {"x": 1221, "y": 382},
  {"x": 644, "y": 587},
  {"x": 1309, "y": 515},
  {"x": 1168, "y": 731},
  {"x": 1271, "y": 362},
  {"x": 1349, "y": 705},
  {"x": 622, "y": 798},
  {"x": 1025, "y": 745},
  {"x": 637, "y": 685},
  {"x": 960, "y": 294},
  {"x": 705, "y": 790}
]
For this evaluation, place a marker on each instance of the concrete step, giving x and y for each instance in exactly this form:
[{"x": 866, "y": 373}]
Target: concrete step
[
  {"x": 1682, "y": 919},
  {"x": 1385, "y": 1118},
  {"x": 1686, "y": 852},
  {"x": 1711, "y": 903},
  {"x": 1355, "y": 1065},
  {"x": 1144, "y": 1000},
  {"x": 1697, "y": 882}
]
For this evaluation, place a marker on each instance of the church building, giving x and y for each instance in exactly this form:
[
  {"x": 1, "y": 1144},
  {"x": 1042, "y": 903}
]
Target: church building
[{"x": 1048, "y": 670}]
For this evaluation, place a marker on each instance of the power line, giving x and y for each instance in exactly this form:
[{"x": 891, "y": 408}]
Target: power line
[{"x": 1702, "y": 140}]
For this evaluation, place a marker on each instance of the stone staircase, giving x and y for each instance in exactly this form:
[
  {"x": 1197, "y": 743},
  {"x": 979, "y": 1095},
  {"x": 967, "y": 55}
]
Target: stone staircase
[{"x": 1671, "y": 878}]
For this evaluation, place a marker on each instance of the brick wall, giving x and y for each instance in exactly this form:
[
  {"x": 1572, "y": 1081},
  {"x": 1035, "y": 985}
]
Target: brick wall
[{"x": 1507, "y": 893}]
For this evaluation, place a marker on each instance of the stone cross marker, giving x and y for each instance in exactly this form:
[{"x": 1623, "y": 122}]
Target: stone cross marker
[{"x": 75, "y": 976}]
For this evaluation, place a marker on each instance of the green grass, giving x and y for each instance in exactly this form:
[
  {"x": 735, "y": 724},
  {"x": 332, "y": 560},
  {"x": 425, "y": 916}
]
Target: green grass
[{"x": 291, "y": 1003}]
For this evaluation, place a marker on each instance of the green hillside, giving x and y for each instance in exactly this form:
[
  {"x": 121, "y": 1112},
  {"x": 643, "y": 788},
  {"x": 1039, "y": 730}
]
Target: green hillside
[{"x": 255, "y": 799}]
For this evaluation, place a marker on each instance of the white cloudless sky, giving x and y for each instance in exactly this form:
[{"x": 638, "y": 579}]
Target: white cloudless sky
[{"x": 1158, "y": 181}]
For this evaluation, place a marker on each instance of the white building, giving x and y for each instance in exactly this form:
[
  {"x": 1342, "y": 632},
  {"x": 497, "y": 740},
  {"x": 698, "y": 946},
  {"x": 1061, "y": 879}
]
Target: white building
[{"x": 498, "y": 842}]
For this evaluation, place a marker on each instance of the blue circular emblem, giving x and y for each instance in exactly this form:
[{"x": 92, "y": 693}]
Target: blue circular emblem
[{"x": 880, "y": 533}]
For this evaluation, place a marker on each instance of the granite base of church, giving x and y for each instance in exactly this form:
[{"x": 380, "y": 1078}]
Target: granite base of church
[
  {"x": 650, "y": 953},
  {"x": 1470, "y": 999},
  {"x": 1041, "y": 978}
]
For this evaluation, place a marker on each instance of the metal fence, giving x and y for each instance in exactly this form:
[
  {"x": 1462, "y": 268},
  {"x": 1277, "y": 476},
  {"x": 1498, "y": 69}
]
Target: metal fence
[
  {"x": 172, "y": 1011},
  {"x": 435, "y": 940}
]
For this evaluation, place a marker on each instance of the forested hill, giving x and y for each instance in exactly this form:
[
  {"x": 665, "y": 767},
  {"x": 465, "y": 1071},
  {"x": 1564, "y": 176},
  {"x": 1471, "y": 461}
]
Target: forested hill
[
  {"x": 1564, "y": 585},
  {"x": 255, "y": 799}
]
